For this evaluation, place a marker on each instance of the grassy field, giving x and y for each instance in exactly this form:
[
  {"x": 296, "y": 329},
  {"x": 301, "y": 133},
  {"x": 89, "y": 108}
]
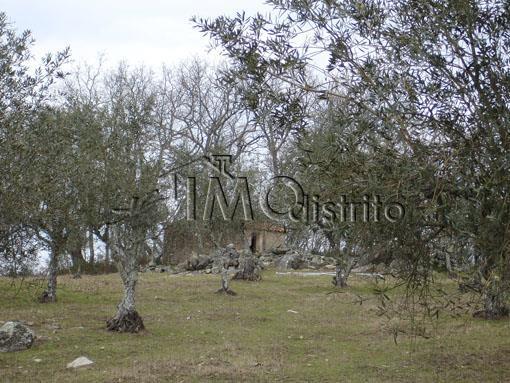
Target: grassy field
[{"x": 194, "y": 335}]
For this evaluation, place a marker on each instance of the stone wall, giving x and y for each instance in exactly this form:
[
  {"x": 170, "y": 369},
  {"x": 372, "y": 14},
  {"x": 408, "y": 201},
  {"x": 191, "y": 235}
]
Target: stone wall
[{"x": 184, "y": 239}]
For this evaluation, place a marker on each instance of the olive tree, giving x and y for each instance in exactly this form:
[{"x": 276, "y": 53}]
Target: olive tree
[
  {"x": 26, "y": 158},
  {"x": 432, "y": 81}
]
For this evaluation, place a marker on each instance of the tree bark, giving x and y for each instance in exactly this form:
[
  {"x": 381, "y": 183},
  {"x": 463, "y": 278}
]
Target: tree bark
[
  {"x": 107, "y": 245},
  {"x": 448, "y": 262},
  {"x": 92, "y": 256},
  {"x": 340, "y": 278},
  {"x": 225, "y": 289},
  {"x": 345, "y": 263},
  {"x": 494, "y": 304},
  {"x": 229, "y": 258},
  {"x": 449, "y": 269},
  {"x": 50, "y": 294},
  {"x": 342, "y": 273},
  {"x": 77, "y": 260},
  {"x": 127, "y": 239},
  {"x": 127, "y": 318}
]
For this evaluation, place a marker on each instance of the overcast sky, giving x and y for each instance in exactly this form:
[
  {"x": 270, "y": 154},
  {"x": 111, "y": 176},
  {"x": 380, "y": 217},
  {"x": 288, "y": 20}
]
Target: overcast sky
[{"x": 138, "y": 31}]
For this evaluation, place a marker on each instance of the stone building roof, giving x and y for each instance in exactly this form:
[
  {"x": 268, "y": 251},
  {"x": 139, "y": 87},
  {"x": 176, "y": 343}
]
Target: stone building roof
[{"x": 264, "y": 226}]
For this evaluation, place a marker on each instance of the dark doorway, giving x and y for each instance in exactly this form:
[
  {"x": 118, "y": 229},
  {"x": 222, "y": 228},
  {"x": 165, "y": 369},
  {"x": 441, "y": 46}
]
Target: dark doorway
[{"x": 253, "y": 243}]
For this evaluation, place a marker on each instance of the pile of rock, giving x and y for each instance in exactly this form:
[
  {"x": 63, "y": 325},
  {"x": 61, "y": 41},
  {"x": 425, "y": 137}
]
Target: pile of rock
[
  {"x": 282, "y": 258},
  {"x": 316, "y": 261},
  {"x": 291, "y": 259},
  {"x": 250, "y": 268},
  {"x": 154, "y": 268},
  {"x": 199, "y": 262},
  {"x": 267, "y": 259}
]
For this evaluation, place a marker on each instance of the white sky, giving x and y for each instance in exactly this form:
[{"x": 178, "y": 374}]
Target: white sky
[{"x": 150, "y": 32}]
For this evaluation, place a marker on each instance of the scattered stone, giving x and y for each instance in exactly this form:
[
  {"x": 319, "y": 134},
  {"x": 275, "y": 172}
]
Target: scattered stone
[
  {"x": 316, "y": 262},
  {"x": 280, "y": 250},
  {"x": 37, "y": 360},
  {"x": 291, "y": 260},
  {"x": 228, "y": 256},
  {"x": 199, "y": 262},
  {"x": 306, "y": 273},
  {"x": 156, "y": 269},
  {"x": 82, "y": 361},
  {"x": 282, "y": 257},
  {"x": 15, "y": 336}
]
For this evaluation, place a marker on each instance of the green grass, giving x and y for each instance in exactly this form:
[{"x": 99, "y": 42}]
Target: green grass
[{"x": 194, "y": 335}]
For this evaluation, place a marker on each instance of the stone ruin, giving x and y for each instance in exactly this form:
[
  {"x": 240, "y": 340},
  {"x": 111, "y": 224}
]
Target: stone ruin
[{"x": 281, "y": 258}]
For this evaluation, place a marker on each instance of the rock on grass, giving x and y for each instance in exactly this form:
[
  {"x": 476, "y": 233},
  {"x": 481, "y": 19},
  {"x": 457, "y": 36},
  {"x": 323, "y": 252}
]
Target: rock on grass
[{"x": 15, "y": 336}]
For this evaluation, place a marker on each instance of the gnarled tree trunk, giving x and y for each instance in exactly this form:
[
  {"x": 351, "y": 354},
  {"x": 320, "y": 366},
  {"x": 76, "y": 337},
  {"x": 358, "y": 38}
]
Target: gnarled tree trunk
[
  {"x": 342, "y": 273},
  {"x": 340, "y": 278},
  {"x": 229, "y": 258},
  {"x": 77, "y": 260},
  {"x": 107, "y": 245},
  {"x": 225, "y": 289},
  {"x": 448, "y": 263},
  {"x": 494, "y": 306},
  {"x": 50, "y": 294},
  {"x": 345, "y": 263},
  {"x": 92, "y": 257},
  {"x": 127, "y": 318},
  {"x": 494, "y": 302}
]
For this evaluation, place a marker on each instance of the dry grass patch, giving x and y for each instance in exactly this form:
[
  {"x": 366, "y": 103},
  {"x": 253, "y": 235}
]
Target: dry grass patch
[{"x": 284, "y": 328}]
